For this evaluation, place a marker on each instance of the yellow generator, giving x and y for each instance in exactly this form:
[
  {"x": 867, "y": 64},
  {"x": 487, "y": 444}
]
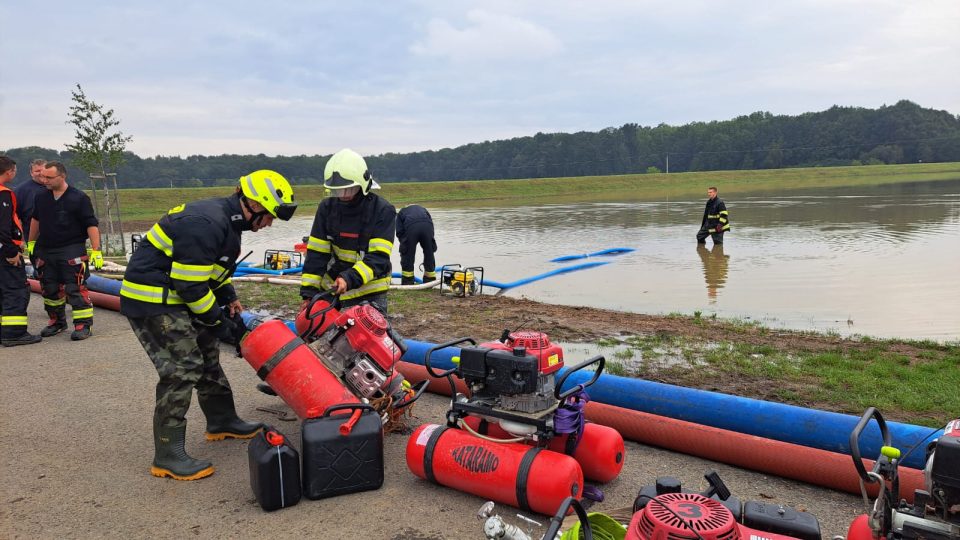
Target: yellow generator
[{"x": 461, "y": 281}]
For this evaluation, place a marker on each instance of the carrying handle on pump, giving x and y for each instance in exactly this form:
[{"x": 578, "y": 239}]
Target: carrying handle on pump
[
  {"x": 557, "y": 520},
  {"x": 599, "y": 359},
  {"x": 451, "y": 371},
  {"x": 855, "y": 442},
  {"x": 322, "y": 313}
]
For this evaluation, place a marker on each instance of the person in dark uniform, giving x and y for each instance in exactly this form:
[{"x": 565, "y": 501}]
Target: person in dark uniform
[
  {"x": 716, "y": 219},
  {"x": 14, "y": 291},
  {"x": 62, "y": 221},
  {"x": 351, "y": 240},
  {"x": 177, "y": 295},
  {"x": 27, "y": 193},
  {"x": 415, "y": 227}
]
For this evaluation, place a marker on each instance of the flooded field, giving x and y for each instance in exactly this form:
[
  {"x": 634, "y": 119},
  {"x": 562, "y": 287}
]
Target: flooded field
[{"x": 879, "y": 261}]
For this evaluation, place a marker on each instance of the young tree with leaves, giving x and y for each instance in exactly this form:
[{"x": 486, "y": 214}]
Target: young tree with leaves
[{"x": 97, "y": 149}]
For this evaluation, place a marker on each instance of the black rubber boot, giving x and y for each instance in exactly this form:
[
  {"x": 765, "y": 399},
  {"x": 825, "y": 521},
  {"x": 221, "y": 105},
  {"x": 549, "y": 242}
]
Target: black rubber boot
[
  {"x": 54, "y": 327},
  {"x": 171, "y": 460},
  {"x": 81, "y": 331},
  {"x": 222, "y": 420},
  {"x": 408, "y": 281},
  {"x": 25, "y": 338}
]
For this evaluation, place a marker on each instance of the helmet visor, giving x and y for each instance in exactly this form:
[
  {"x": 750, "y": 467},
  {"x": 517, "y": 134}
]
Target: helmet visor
[{"x": 285, "y": 211}]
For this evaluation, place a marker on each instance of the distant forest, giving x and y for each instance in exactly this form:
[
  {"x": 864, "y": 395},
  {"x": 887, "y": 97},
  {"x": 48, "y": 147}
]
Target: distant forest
[{"x": 901, "y": 133}]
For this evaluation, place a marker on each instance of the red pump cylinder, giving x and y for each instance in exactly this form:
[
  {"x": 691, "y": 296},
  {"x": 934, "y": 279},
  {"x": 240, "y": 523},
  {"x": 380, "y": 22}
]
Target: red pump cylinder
[
  {"x": 293, "y": 370},
  {"x": 529, "y": 478},
  {"x": 600, "y": 451}
]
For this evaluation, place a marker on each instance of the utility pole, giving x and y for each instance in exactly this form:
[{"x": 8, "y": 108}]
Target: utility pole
[{"x": 668, "y": 162}]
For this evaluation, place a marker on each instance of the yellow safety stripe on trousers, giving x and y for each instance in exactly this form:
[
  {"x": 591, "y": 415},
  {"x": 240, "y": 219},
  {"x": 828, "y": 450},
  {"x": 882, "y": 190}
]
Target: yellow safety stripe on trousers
[
  {"x": 366, "y": 273},
  {"x": 429, "y": 276},
  {"x": 320, "y": 245},
  {"x": 13, "y": 320},
  {"x": 83, "y": 313},
  {"x": 204, "y": 304},
  {"x": 160, "y": 240},
  {"x": 147, "y": 293},
  {"x": 380, "y": 244},
  {"x": 54, "y": 302},
  {"x": 404, "y": 273},
  {"x": 190, "y": 272},
  {"x": 375, "y": 286},
  {"x": 713, "y": 216},
  {"x": 345, "y": 255}
]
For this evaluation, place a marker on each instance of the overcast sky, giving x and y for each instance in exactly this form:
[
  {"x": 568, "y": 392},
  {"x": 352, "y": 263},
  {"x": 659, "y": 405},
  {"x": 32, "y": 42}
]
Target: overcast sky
[{"x": 311, "y": 77}]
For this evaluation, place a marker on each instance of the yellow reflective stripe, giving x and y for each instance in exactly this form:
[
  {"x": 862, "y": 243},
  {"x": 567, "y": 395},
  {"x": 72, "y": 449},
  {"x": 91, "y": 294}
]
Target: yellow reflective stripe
[
  {"x": 147, "y": 293},
  {"x": 160, "y": 240},
  {"x": 366, "y": 273},
  {"x": 326, "y": 282},
  {"x": 724, "y": 213},
  {"x": 345, "y": 255},
  {"x": 429, "y": 276},
  {"x": 82, "y": 313},
  {"x": 202, "y": 305},
  {"x": 713, "y": 216},
  {"x": 319, "y": 245},
  {"x": 404, "y": 273},
  {"x": 217, "y": 272},
  {"x": 54, "y": 302},
  {"x": 190, "y": 272},
  {"x": 380, "y": 244},
  {"x": 377, "y": 285},
  {"x": 13, "y": 320},
  {"x": 310, "y": 280}
]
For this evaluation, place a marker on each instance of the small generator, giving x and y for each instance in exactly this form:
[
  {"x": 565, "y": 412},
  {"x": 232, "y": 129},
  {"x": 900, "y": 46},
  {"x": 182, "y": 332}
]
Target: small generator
[{"x": 461, "y": 281}]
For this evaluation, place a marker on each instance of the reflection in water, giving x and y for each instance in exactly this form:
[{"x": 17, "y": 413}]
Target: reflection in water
[
  {"x": 714, "y": 269},
  {"x": 883, "y": 257}
]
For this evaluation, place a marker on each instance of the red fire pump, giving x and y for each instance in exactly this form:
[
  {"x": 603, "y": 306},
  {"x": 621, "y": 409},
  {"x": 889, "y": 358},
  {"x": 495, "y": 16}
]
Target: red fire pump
[
  {"x": 338, "y": 357},
  {"x": 516, "y": 408},
  {"x": 935, "y": 513},
  {"x": 666, "y": 511}
]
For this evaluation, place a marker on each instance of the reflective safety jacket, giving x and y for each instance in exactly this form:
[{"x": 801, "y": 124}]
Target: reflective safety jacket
[
  {"x": 351, "y": 240},
  {"x": 186, "y": 262},
  {"x": 715, "y": 213}
]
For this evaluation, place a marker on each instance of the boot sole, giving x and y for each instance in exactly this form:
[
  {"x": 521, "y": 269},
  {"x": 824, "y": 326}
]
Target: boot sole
[
  {"x": 15, "y": 343},
  {"x": 222, "y": 436},
  {"x": 162, "y": 473}
]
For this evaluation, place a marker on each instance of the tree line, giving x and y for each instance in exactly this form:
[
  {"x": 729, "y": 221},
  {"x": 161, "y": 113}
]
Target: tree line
[{"x": 900, "y": 133}]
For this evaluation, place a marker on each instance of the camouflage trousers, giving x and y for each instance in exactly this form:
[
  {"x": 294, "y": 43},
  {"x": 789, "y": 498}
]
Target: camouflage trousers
[{"x": 185, "y": 358}]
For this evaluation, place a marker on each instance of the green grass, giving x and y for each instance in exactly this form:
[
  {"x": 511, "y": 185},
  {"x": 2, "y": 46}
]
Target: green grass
[{"x": 148, "y": 204}]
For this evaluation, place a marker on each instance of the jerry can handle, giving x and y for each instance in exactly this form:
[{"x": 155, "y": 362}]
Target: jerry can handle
[{"x": 346, "y": 407}]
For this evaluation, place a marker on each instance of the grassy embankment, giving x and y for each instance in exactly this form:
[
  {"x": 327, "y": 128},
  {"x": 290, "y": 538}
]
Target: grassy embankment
[
  {"x": 919, "y": 386},
  {"x": 146, "y": 205}
]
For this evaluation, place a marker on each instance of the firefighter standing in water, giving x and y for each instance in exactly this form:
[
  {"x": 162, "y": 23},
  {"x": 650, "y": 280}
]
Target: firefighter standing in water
[
  {"x": 14, "y": 292},
  {"x": 716, "y": 220},
  {"x": 415, "y": 227},
  {"x": 177, "y": 295},
  {"x": 62, "y": 221},
  {"x": 352, "y": 237}
]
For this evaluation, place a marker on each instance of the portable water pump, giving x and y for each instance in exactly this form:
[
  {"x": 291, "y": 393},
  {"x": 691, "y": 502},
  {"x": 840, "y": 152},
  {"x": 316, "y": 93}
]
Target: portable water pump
[
  {"x": 935, "y": 513},
  {"x": 515, "y": 397},
  {"x": 336, "y": 357}
]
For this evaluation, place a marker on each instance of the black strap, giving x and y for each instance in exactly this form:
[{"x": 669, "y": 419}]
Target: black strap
[
  {"x": 572, "y": 442},
  {"x": 522, "y": 475},
  {"x": 428, "y": 453},
  {"x": 278, "y": 357},
  {"x": 483, "y": 427}
]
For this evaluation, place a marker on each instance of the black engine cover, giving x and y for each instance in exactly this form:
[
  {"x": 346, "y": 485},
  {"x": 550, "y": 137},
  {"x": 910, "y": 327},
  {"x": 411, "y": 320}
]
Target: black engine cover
[{"x": 500, "y": 372}]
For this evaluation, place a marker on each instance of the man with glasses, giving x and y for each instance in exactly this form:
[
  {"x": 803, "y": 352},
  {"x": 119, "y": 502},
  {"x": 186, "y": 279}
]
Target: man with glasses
[{"x": 62, "y": 221}]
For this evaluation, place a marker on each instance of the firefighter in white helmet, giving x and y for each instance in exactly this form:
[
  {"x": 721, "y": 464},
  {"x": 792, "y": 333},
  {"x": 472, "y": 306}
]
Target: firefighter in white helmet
[{"x": 352, "y": 237}]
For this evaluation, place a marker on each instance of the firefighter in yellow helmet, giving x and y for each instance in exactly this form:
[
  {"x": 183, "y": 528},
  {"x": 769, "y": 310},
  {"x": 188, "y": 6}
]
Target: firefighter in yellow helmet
[
  {"x": 177, "y": 294},
  {"x": 352, "y": 236}
]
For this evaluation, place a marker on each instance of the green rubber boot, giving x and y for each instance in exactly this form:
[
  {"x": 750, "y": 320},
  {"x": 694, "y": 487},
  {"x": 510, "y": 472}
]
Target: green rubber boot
[
  {"x": 222, "y": 420},
  {"x": 171, "y": 460}
]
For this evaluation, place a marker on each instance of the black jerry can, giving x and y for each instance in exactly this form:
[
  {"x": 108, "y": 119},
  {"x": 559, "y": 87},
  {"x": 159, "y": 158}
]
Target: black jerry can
[
  {"x": 342, "y": 453},
  {"x": 274, "y": 470}
]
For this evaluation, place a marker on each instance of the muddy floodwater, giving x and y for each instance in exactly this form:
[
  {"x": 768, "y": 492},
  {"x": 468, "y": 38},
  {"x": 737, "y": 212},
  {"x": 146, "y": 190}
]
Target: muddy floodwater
[{"x": 877, "y": 261}]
